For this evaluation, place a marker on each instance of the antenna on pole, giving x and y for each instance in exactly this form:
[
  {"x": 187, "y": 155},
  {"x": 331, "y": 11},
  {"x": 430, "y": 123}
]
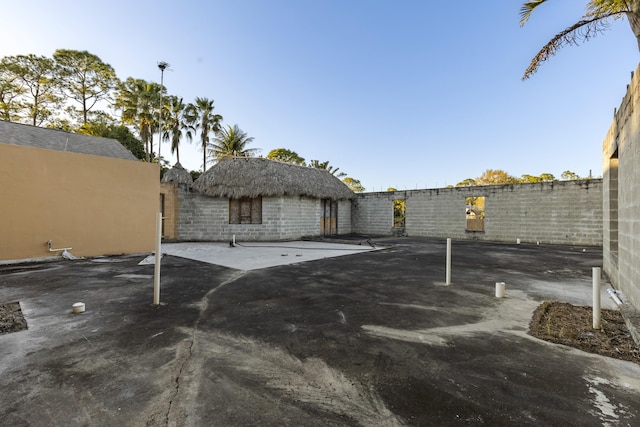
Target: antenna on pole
[{"x": 162, "y": 66}]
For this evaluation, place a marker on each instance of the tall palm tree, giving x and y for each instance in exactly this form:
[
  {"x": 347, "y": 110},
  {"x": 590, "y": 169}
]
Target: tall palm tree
[
  {"x": 138, "y": 100},
  {"x": 232, "y": 141},
  {"x": 594, "y": 21},
  {"x": 202, "y": 118},
  {"x": 178, "y": 124}
]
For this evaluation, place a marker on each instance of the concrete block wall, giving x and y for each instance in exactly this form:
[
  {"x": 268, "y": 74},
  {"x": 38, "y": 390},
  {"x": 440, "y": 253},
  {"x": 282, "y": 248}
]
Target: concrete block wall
[
  {"x": 566, "y": 212},
  {"x": 372, "y": 213},
  {"x": 293, "y": 217},
  {"x": 205, "y": 218},
  {"x": 344, "y": 217},
  {"x": 621, "y": 198}
]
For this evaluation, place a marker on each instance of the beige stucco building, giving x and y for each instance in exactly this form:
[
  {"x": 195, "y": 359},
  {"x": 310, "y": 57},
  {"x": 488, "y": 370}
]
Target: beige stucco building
[{"x": 75, "y": 191}]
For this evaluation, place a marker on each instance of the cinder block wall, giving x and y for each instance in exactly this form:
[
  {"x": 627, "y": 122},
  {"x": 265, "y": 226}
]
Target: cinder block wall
[
  {"x": 283, "y": 218},
  {"x": 565, "y": 212},
  {"x": 621, "y": 172},
  {"x": 344, "y": 217}
]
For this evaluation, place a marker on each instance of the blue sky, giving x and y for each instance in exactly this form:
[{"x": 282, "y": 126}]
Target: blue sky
[{"x": 406, "y": 94}]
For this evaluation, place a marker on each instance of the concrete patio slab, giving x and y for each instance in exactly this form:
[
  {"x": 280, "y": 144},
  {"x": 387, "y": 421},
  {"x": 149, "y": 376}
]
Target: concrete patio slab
[{"x": 258, "y": 255}]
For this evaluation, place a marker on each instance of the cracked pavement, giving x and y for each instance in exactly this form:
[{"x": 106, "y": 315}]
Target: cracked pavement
[{"x": 371, "y": 339}]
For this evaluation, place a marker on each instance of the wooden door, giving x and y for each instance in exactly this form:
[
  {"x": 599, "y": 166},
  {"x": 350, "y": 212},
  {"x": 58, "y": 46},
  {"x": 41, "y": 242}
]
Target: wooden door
[{"x": 329, "y": 217}]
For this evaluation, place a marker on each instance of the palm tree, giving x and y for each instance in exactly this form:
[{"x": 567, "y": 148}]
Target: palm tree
[
  {"x": 325, "y": 166},
  {"x": 201, "y": 116},
  {"x": 177, "y": 124},
  {"x": 594, "y": 21},
  {"x": 138, "y": 100},
  {"x": 232, "y": 141}
]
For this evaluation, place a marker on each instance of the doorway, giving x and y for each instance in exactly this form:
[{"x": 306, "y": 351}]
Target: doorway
[{"x": 329, "y": 217}]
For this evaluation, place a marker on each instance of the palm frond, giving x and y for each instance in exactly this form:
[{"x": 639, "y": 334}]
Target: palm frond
[
  {"x": 581, "y": 31},
  {"x": 527, "y": 9}
]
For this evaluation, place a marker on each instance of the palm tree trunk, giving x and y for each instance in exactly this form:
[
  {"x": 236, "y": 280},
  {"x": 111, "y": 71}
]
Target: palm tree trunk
[{"x": 634, "y": 20}]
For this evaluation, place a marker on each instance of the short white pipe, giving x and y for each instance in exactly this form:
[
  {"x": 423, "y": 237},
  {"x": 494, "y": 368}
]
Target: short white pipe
[
  {"x": 50, "y": 242},
  {"x": 234, "y": 240},
  {"x": 448, "y": 274},
  {"x": 156, "y": 275},
  {"x": 517, "y": 241},
  {"x": 500, "y": 289},
  {"x": 596, "y": 297},
  {"x": 78, "y": 307}
]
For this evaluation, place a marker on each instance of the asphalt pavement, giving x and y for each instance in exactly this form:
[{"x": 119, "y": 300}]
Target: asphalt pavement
[{"x": 370, "y": 338}]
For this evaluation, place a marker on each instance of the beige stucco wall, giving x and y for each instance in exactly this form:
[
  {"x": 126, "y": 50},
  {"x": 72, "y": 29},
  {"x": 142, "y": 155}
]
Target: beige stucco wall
[{"x": 96, "y": 205}]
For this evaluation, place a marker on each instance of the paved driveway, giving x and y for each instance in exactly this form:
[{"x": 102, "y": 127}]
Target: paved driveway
[{"x": 372, "y": 339}]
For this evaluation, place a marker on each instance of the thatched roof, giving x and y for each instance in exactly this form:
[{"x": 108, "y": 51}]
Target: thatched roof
[
  {"x": 178, "y": 174},
  {"x": 252, "y": 177},
  {"x": 53, "y": 139}
]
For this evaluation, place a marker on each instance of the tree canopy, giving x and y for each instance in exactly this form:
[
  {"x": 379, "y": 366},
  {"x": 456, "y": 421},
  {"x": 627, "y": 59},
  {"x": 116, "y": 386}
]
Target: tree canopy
[
  {"x": 78, "y": 92},
  {"x": 354, "y": 184},
  {"x": 285, "y": 155},
  {"x": 500, "y": 177}
]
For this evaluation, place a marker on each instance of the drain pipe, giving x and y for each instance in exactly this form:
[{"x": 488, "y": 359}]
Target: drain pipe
[{"x": 596, "y": 297}]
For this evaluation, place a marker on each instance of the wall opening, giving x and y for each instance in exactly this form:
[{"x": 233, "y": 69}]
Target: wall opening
[
  {"x": 399, "y": 213},
  {"x": 613, "y": 204},
  {"x": 474, "y": 213}
]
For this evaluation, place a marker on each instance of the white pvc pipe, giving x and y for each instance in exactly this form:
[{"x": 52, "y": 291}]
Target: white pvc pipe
[
  {"x": 156, "y": 273},
  {"x": 596, "y": 297},
  {"x": 234, "y": 240},
  {"x": 448, "y": 276},
  {"x": 500, "y": 289}
]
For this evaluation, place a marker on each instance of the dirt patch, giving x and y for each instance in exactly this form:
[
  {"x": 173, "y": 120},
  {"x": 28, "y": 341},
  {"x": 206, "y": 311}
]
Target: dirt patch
[
  {"x": 571, "y": 325},
  {"x": 11, "y": 318}
]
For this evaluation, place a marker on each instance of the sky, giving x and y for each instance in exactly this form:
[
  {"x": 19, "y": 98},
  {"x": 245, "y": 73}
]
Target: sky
[{"x": 407, "y": 94}]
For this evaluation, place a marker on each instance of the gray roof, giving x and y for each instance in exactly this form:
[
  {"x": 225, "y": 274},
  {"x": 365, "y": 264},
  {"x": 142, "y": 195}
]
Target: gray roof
[
  {"x": 252, "y": 177},
  {"x": 53, "y": 139}
]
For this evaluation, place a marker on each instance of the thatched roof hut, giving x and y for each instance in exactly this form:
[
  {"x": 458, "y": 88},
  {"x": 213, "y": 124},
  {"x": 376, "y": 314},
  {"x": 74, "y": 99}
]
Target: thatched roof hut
[
  {"x": 253, "y": 177},
  {"x": 178, "y": 174}
]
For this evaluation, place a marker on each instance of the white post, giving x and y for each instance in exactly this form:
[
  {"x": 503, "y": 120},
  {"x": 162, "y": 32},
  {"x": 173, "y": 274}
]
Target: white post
[
  {"x": 156, "y": 275},
  {"x": 596, "y": 297},
  {"x": 448, "y": 281}
]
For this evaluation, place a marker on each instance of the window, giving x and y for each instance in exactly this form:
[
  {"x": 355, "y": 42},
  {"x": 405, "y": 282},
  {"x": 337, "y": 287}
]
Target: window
[
  {"x": 246, "y": 210},
  {"x": 475, "y": 213}
]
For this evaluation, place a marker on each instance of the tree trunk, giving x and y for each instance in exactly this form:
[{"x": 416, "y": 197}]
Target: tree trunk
[{"x": 634, "y": 20}]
